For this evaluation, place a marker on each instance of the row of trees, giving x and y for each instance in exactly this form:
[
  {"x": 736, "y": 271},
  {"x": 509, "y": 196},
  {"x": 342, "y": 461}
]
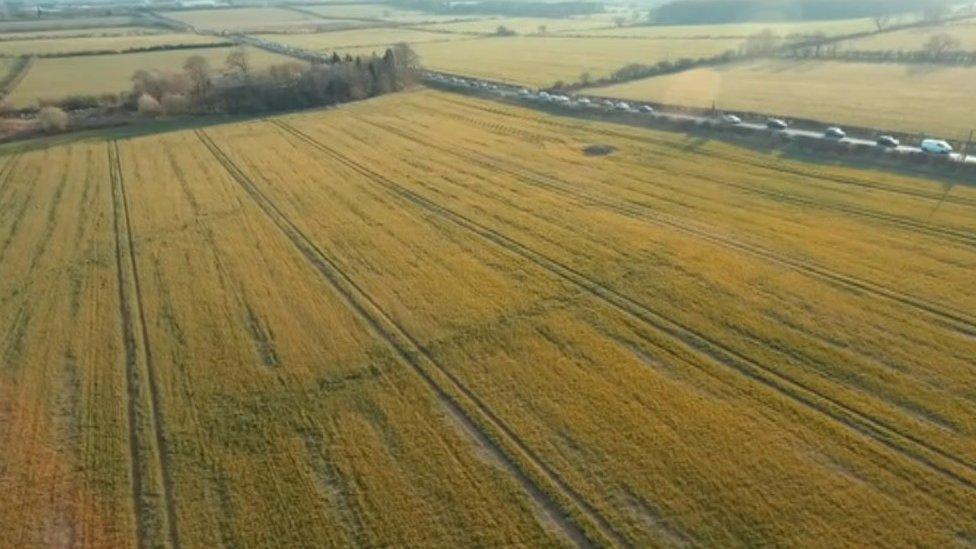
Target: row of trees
[
  {"x": 942, "y": 48},
  {"x": 120, "y": 51},
  {"x": 635, "y": 71},
  {"x": 240, "y": 88}
]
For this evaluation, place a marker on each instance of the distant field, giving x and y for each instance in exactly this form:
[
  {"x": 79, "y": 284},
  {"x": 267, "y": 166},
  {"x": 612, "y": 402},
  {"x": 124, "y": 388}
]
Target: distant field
[
  {"x": 253, "y": 19},
  {"x": 541, "y": 61},
  {"x": 914, "y": 39},
  {"x": 427, "y": 320},
  {"x": 740, "y": 30},
  {"x": 6, "y": 65},
  {"x": 39, "y": 24},
  {"x": 351, "y": 39},
  {"x": 383, "y": 12},
  {"x": 114, "y": 43},
  {"x": 521, "y": 25},
  {"x": 910, "y": 98},
  {"x": 84, "y": 32},
  {"x": 58, "y": 77}
]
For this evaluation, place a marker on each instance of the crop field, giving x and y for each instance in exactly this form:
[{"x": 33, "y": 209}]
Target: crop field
[
  {"x": 109, "y": 43},
  {"x": 541, "y": 61},
  {"x": 360, "y": 38},
  {"x": 253, "y": 19},
  {"x": 6, "y": 66},
  {"x": 884, "y": 96},
  {"x": 46, "y": 24},
  {"x": 77, "y": 33},
  {"x": 425, "y": 320},
  {"x": 914, "y": 39},
  {"x": 522, "y": 25},
  {"x": 738, "y": 30},
  {"x": 58, "y": 77},
  {"x": 382, "y": 12}
]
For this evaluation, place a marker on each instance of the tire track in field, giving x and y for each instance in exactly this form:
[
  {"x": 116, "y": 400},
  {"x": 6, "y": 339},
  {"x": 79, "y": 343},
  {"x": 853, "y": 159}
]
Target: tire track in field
[
  {"x": 576, "y": 519},
  {"x": 957, "y": 320},
  {"x": 7, "y": 169},
  {"x": 138, "y": 352},
  {"x": 933, "y": 458},
  {"x": 959, "y": 200},
  {"x": 960, "y": 236}
]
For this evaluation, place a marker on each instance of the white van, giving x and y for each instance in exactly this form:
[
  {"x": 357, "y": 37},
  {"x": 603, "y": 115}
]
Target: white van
[{"x": 936, "y": 146}]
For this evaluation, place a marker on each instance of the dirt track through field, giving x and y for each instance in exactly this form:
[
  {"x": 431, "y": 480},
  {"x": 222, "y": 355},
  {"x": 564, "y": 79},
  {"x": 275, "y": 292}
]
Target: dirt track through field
[
  {"x": 140, "y": 370},
  {"x": 945, "y": 463},
  {"x": 957, "y": 319},
  {"x": 411, "y": 352}
]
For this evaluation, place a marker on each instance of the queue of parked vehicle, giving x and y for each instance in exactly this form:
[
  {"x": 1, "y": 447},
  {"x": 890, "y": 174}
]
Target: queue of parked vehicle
[{"x": 833, "y": 133}]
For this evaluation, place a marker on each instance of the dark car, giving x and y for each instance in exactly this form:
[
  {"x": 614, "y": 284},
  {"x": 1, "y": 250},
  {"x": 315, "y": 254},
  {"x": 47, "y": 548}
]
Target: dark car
[
  {"x": 776, "y": 124},
  {"x": 888, "y": 142}
]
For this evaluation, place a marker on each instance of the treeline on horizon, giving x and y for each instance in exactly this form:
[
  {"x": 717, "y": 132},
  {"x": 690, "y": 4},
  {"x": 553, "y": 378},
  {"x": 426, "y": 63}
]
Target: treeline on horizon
[
  {"x": 504, "y": 7},
  {"x": 692, "y": 12}
]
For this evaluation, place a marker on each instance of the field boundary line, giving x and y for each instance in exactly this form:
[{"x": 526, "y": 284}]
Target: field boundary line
[
  {"x": 138, "y": 356},
  {"x": 576, "y": 518},
  {"x": 11, "y": 81},
  {"x": 904, "y": 444},
  {"x": 634, "y": 210}
]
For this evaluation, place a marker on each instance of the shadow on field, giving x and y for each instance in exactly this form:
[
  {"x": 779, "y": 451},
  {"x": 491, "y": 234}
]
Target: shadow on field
[{"x": 140, "y": 128}]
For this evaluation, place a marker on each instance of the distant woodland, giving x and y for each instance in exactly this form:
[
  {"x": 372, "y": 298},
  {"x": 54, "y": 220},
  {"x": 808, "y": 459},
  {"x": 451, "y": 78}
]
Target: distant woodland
[{"x": 683, "y": 12}]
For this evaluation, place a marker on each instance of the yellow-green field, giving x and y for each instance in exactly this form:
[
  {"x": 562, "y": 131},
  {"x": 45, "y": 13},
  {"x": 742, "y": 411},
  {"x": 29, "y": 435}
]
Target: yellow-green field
[
  {"x": 381, "y": 12},
  {"x": 350, "y": 39},
  {"x": 55, "y": 78},
  {"x": 909, "y": 98},
  {"x": 108, "y": 43},
  {"x": 426, "y": 320},
  {"x": 82, "y": 32},
  {"x": 739, "y": 30},
  {"x": 541, "y": 61},
  {"x": 6, "y": 65},
  {"x": 521, "y": 25},
  {"x": 253, "y": 19},
  {"x": 49, "y": 24},
  {"x": 914, "y": 39}
]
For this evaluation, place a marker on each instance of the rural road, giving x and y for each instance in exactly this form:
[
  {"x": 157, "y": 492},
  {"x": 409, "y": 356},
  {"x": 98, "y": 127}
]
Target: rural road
[{"x": 518, "y": 93}]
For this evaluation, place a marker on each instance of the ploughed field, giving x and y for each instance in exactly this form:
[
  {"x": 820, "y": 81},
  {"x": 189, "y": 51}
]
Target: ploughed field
[{"x": 431, "y": 320}]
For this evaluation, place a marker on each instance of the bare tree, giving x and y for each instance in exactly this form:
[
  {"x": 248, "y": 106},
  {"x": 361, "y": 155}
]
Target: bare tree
[
  {"x": 762, "y": 43},
  {"x": 148, "y": 106},
  {"x": 881, "y": 21},
  {"x": 197, "y": 69},
  {"x": 542, "y": 29},
  {"x": 175, "y": 103},
  {"x": 940, "y": 44},
  {"x": 52, "y": 119},
  {"x": 239, "y": 62}
]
